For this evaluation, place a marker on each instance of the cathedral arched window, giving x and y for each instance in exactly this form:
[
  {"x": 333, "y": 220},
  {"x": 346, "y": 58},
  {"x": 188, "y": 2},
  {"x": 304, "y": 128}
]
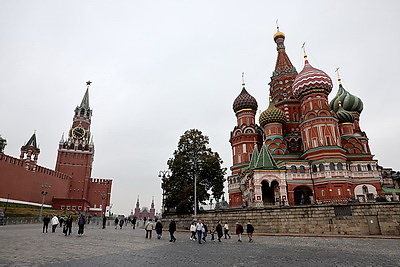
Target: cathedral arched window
[
  {"x": 302, "y": 169},
  {"x": 314, "y": 168},
  {"x": 293, "y": 169},
  {"x": 369, "y": 167},
  {"x": 321, "y": 167},
  {"x": 83, "y": 111},
  {"x": 340, "y": 166},
  {"x": 332, "y": 166},
  {"x": 359, "y": 168}
]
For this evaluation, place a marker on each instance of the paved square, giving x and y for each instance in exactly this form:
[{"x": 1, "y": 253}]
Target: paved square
[{"x": 26, "y": 245}]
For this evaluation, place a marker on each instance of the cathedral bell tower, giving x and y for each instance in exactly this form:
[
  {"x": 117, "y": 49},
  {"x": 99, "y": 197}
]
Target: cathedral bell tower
[{"x": 76, "y": 151}]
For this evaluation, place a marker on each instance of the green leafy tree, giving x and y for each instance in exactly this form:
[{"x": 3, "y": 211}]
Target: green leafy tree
[{"x": 193, "y": 157}]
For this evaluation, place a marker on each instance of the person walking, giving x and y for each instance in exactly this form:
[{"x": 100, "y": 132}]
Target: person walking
[
  {"x": 121, "y": 223},
  {"x": 171, "y": 230},
  {"x": 218, "y": 228},
  {"x": 46, "y": 221},
  {"x": 81, "y": 224},
  {"x": 226, "y": 230},
  {"x": 158, "y": 229},
  {"x": 199, "y": 230},
  {"x": 68, "y": 225},
  {"x": 104, "y": 221},
  {"x": 193, "y": 231},
  {"x": 239, "y": 231},
  {"x": 205, "y": 228},
  {"x": 116, "y": 222},
  {"x": 54, "y": 223},
  {"x": 149, "y": 228},
  {"x": 250, "y": 230},
  {"x": 134, "y": 222},
  {"x": 212, "y": 232}
]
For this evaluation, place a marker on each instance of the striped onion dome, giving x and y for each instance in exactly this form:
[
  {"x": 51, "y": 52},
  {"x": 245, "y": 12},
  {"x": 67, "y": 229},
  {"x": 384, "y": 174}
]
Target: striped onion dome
[
  {"x": 311, "y": 79},
  {"x": 245, "y": 101},
  {"x": 271, "y": 114},
  {"x": 348, "y": 101},
  {"x": 344, "y": 115}
]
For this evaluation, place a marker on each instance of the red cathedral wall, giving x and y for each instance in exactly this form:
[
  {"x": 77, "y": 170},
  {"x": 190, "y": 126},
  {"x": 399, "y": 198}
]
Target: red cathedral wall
[{"x": 20, "y": 184}]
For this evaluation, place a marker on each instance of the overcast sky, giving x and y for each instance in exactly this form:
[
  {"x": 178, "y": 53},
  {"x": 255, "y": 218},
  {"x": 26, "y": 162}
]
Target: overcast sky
[{"x": 160, "y": 68}]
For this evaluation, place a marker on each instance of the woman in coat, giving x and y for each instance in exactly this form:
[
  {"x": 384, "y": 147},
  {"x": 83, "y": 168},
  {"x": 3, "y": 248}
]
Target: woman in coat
[{"x": 158, "y": 228}]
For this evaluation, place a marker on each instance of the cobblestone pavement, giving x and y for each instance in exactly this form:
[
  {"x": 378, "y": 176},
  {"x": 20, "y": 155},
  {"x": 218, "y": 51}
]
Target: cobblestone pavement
[{"x": 26, "y": 245}]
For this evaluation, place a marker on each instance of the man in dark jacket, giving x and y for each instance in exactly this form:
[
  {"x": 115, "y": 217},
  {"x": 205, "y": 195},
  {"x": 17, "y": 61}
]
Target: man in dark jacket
[
  {"x": 158, "y": 228},
  {"x": 171, "y": 230},
  {"x": 218, "y": 228},
  {"x": 46, "y": 221}
]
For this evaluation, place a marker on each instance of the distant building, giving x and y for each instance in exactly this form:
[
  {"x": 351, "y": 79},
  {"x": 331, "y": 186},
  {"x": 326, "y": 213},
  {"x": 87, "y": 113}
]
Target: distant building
[
  {"x": 68, "y": 187},
  {"x": 144, "y": 213}
]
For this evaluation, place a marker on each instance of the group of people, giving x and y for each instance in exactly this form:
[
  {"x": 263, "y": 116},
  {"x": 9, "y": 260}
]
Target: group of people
[
  {"x": 65, "y": 223},
  {"x": 199, "y": 231},
  {"x": 149, "y": 226}
]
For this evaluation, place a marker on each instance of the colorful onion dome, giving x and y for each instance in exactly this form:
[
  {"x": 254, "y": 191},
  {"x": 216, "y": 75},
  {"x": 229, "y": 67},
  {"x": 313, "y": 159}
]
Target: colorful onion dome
[
  {"x": 344, "y": 115},
  {"x": 348, "y": 101},
  {"x": 310, "y": 79},
  {"x": 271, "y": 114},
  {"x": 245, "y": 101}
]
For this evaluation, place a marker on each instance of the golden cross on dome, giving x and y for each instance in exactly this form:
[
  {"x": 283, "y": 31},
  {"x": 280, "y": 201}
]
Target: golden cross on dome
[
  {"x": 338, "y": 75},
  {"x": 243, "y": 78},
  {"x": 88, "y": 83},
  {"x": 304, "y": 50},
  {"x": 277, "y": 25}
]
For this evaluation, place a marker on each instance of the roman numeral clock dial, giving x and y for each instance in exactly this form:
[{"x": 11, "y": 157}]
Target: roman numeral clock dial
[{"x": 78, "y": 132}]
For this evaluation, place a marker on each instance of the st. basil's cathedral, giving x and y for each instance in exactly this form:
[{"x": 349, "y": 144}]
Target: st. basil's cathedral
[{"x": 305, "y": 149}]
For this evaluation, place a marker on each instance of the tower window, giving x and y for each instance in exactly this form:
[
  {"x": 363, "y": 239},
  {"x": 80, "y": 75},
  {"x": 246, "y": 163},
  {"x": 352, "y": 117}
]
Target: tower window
[
  {"x": 314, "y": 168},
  {"x": 332, "y": 166},
  {"x": 321, "y": 167},
  {"x": 369, "y": 167},
  {"x": 328, "y": 141},
  {"x": 293, "y": 169},
  {"x": 340, "y": 166},
  {"x": 302, "y": 169},
  {"x": 359, "y": 168}
]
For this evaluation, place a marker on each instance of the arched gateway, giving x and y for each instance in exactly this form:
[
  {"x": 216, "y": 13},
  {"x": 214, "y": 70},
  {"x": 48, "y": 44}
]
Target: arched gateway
[{"x": 302, "y": 195}]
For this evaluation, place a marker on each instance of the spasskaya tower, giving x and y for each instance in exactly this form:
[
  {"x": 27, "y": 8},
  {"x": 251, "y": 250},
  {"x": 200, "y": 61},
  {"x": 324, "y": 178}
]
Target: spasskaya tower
[{"x": 75, "y": 158}]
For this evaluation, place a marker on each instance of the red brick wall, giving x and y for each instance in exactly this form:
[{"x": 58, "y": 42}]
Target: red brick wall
[{"x": 24, "y": 185}]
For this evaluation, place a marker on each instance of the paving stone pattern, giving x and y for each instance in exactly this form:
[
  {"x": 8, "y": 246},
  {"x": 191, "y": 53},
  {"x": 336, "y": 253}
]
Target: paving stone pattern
[{"x": 26, "y": 245}]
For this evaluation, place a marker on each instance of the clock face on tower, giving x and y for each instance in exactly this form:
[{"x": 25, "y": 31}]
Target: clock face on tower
[{"x": 78, "y": 132}]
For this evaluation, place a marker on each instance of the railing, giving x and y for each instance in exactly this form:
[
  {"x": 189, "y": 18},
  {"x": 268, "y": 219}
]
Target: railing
[{"x": 19, "y": 220}]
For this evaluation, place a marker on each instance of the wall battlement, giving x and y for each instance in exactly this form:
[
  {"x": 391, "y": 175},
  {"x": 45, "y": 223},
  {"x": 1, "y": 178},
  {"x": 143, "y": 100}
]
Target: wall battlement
[
  {"x": 100, "y": 181},
  {"x": 38, "y": 169}
]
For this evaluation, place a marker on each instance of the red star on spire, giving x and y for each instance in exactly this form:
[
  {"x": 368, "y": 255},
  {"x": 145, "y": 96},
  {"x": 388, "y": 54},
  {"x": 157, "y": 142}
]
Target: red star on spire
[{"x": 88, "y": 83}]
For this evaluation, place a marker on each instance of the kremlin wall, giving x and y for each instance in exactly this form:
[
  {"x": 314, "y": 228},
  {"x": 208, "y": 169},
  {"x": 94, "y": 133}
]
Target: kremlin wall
[{"x": 68, "y": 187}]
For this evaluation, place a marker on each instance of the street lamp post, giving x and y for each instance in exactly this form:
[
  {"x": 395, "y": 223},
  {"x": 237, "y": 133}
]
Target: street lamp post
[
  {"x": 44, "y": 193},
  {"x": 103, "y": 196},
  {"x": 163, "y": 174}
]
